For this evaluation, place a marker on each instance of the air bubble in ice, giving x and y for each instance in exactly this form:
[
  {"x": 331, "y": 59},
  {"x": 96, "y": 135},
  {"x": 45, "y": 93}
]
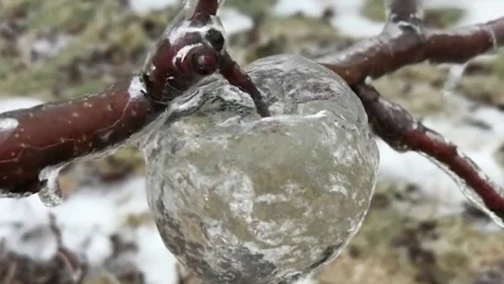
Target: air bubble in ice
[{"x": 239, "y": 199}]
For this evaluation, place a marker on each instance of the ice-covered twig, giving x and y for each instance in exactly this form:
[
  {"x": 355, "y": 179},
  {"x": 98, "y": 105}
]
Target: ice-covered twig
[
  {"x": 236, "y": 76},
  {"x": 405, "y": 41},
  {"x": 400, "y": 130}
]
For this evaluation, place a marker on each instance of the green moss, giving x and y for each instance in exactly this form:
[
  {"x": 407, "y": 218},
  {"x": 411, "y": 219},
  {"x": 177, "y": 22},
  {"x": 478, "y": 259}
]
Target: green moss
[
  {"x": 441, "y": 17},
  {"x": 417, "y": 88},
  {"x": 290, "y": 35},
  {"x": 106, "y": 41},
  {"x": 498, "y": 65},
  {"x": 66, "y": 16},
  {"x": 256, "y": 7},
  {"x": 398, "y": 245},
  {"x": 374, "y": 10},
  {"x": 483, "y": 88},
  {"x": 39, "y": 78},
  {"x": 16, "y": 9}
]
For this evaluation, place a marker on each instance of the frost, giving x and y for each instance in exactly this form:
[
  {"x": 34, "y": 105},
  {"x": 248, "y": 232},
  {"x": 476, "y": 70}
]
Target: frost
[{"x": 239, "y": 199}]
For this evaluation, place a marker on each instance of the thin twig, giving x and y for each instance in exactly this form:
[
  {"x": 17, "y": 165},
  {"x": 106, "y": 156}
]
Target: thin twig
[
  {"x": 404, "y": 41},
  {"x": 236, "y": 76},
  {"x": 410, "y": 43},
  {"x": 400, "y": 130}
]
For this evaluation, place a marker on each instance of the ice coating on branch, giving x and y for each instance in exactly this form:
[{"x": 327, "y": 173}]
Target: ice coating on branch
[
  {"x": 467, "y": 189},
  {"x": 240, "y": 199},
  {"x": 50, "y": 194}
]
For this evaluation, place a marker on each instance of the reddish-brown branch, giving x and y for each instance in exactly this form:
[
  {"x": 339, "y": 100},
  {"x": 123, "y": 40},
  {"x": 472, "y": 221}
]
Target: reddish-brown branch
[
  {"x": 50, "y": 135},
  {"x": 404, "y": 41},
  {"x": 208, "y": 7},
  {"x": 401, "y": 131},
  {"x": 236, "y": 76},
  {"x": 394, "y": 49}
]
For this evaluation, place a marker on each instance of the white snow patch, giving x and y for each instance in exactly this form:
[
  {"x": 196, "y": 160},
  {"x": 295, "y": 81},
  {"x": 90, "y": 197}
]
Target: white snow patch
[
  {"x": 87, "y": 220},
  {"x": 154, "y": 259},
  {"x": 477, "y": 11},
  {"x": 145, "y": 6},
  {"x": 313, "y": 8},
  {"x": 8, "y": 104},
  {"x": 234, "y": 21},
  {"x": 51, "y": 47},
  {"x": 347, "y": 19},
  {"x": 308, "y": 280}
]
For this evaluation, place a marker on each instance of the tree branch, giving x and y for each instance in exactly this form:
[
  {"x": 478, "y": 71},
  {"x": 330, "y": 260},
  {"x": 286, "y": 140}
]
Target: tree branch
[
  {"x": 208, "y": 7},
  {"x": 236, "y": 76},
  {"x": 402, "y": 132},
  {"x": 405, "y": 41},
  {"x": 94, "y": 124},
  {"x": 410, "y": 43}
]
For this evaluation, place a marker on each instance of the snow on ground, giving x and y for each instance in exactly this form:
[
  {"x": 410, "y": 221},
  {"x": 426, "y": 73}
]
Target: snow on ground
[
  {"x": 144, "y": 6},
  {"x": 87, "y": 220},
  {"x": 479, "y": 11},
  {"x": 234, "y": 21},
  {"x": 347, "y": 17},
  {"x": 17, "y": 103},
  {"x": 348, "y": 20}
]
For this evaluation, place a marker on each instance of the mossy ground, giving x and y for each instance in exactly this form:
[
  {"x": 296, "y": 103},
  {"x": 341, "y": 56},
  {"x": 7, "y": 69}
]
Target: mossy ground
[
  {"x": 434, "y": 17},
  {"x": 107, "y": 41}
]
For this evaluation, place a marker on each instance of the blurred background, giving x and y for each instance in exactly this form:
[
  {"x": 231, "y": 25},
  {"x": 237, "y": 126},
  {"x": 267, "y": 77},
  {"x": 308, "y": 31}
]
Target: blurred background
[{"x": 420, "y": 228}]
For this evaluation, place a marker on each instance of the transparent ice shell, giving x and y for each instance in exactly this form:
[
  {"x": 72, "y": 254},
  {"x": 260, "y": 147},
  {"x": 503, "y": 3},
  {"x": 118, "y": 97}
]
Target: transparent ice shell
[{"x": 240, "y": 199}]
